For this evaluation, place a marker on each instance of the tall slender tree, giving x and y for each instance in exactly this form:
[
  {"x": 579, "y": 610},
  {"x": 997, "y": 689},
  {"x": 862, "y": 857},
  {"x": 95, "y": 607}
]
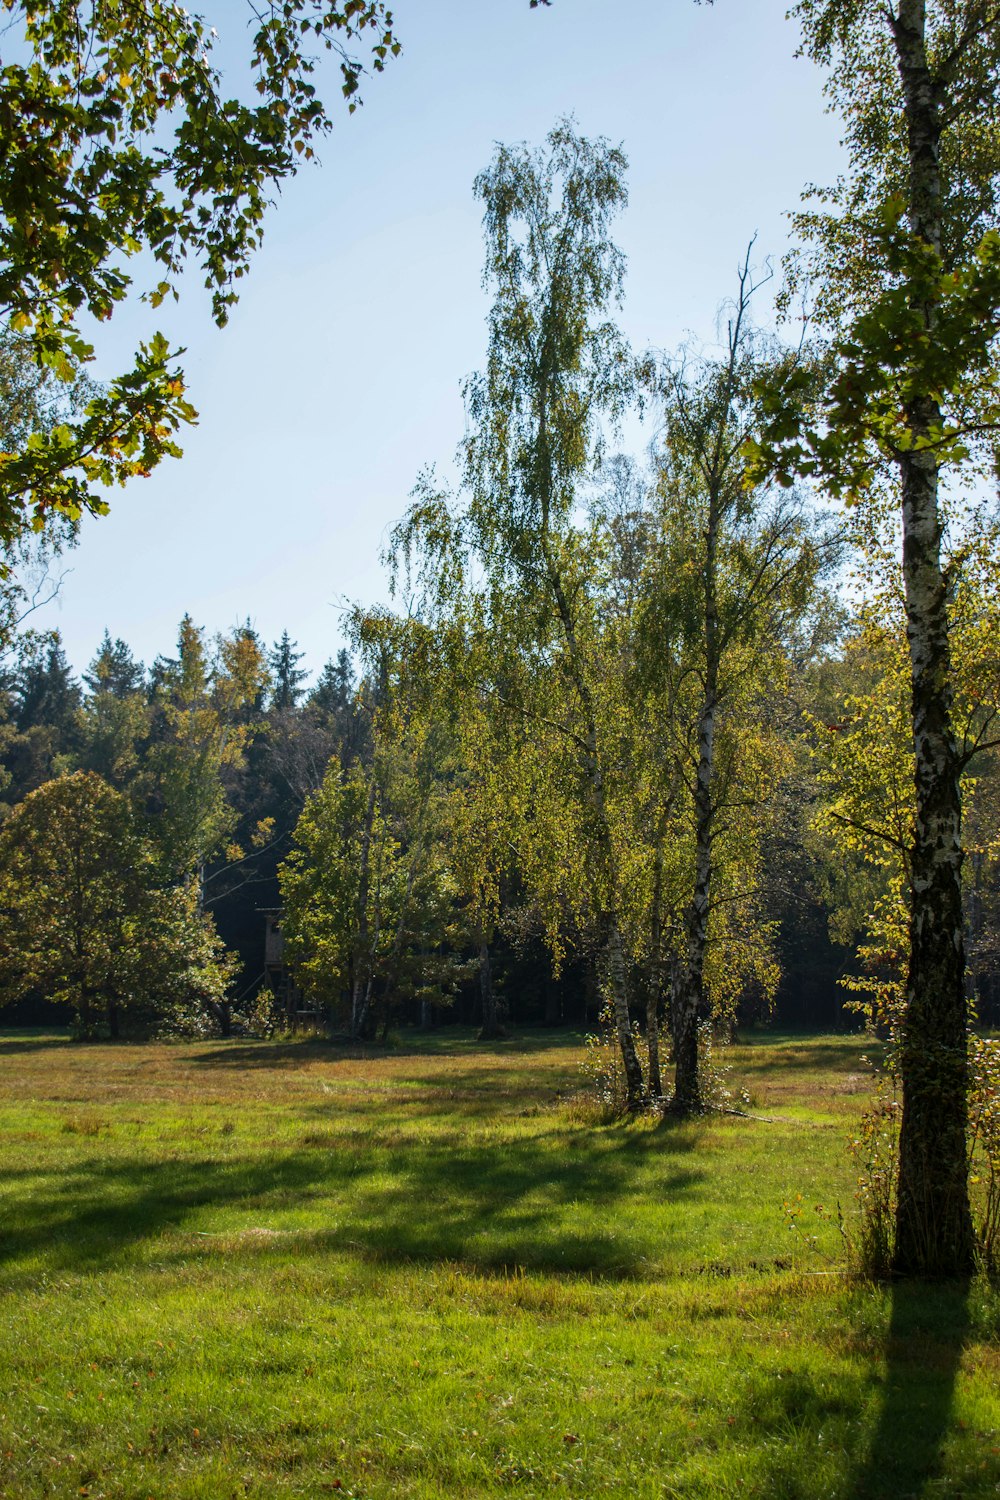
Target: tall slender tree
[
  {"x": 556, "y": 366},
  {"x": 731, "y": 563},
  {"x": 905, "y": 252}
]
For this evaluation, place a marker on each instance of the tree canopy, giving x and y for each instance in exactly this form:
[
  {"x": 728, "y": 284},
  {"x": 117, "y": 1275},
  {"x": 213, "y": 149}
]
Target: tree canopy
[{"x": 124, "y": 139}]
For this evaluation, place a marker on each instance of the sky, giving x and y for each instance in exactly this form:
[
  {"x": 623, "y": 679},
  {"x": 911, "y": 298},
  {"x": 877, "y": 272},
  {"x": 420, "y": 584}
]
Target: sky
[{"x": 339, "y": 377}]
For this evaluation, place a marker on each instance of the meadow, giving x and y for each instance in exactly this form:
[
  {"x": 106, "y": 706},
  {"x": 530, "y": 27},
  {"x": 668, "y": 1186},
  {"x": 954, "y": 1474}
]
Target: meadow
[{"x": 279, "y": 1269}]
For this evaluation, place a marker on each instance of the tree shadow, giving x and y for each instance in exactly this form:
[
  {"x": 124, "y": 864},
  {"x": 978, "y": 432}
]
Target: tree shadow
[
  {"x": 929, "y": 1326},
  {"x": 797, "y": 1054},
  {"x": 302, "y": 1051},
  {"x": 870, "y": 1429},
  {"x": 431, "y": 1200},
  {"x": 13, "y": 1044}
]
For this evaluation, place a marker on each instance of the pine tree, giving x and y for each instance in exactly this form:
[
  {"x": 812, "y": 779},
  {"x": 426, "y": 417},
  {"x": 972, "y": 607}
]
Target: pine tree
[
  {"x": 115, "y": 670},
  {"x": 286, "y": 676}
]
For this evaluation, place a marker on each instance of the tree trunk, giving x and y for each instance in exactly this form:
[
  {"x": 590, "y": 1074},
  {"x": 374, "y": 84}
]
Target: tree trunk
[
  {"x": 85, "y": 1012},
  {"x": 635, "y": 1090},
  {"x": 221, "y": 1013},
  {"x": 655, "y": 1082},
  {"x": 933, "y": 1223},
  {"x": 690, "y": 1004},
  {"x": 114, "y": 1028},
  {"x": 934, "y": 1234},
  {"x": 491, "y": 1027},
  {"x": 361, "y": 979}
]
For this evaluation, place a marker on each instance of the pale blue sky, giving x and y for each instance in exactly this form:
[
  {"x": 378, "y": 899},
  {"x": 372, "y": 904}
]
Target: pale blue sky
[{"x": 340, "y": 373}]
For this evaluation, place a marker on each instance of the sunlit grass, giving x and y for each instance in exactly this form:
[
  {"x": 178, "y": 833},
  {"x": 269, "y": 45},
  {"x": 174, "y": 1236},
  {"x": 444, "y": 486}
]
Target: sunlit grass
[{"x": 276, "y": 1269}]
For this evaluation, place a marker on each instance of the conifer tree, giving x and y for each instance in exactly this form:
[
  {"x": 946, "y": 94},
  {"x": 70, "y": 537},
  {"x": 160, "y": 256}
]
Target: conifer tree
[{"x": 286, "y": 675}]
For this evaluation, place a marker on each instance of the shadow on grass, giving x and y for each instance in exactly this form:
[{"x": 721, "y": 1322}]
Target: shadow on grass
[
  {"x": 928, "y": 1329},
  {"x": 796, "y": 1054},
  {"x": 299, "y": 1052},
  {"x": 14, "y": 1044},
  {"x": 888, "y": 1423},
  {"x": 425, "y": 1201}
]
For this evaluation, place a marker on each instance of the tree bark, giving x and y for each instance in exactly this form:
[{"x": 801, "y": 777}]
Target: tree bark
[
  {"x": 635, "y": 1089},
  {"x": 221, "y": 1013},
  {"x": 654, "y": 1079},
  {"x": 934, "y": 1234},
  {"x": 690, "y": 1008},
  {"x": 933, "y": 1224}
]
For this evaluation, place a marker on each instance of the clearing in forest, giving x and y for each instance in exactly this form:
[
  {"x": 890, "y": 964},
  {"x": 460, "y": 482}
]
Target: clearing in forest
[{"x": 274, "y": 1269}]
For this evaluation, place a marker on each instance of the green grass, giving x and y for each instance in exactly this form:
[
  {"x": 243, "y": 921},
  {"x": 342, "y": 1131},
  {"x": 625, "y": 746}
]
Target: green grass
[{"x": 255, "y": 1269}]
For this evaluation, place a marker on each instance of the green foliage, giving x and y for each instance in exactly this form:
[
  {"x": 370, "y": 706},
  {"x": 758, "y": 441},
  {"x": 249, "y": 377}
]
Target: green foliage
[
  {"x": 82, "y": 917},
  {"x": 206, "y": 707},
  {"x": 984, "y": 1147},
  {"x": 369, "y": 896},
  {"x": 115, "y": 719},
  {"x": 840, "y": 416},
  {"x": 120, "y": 140},
  {"x": 32, "y": 400},
  {"x": 863, "y": 753},
  {"x": 319, "y": 885},
  {"x": 554, "y": 368},
  {"x": 906, "y": 280}
]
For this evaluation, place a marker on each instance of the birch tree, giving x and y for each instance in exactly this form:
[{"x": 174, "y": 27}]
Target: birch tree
[
  {"x": 731, "y": 564},
  {"x": 556, "y": 366},
  {"x": 905, "y": 252}
]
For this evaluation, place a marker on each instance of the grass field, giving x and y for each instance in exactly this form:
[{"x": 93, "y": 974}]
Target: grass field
[{"x": 255, "y": 1269}]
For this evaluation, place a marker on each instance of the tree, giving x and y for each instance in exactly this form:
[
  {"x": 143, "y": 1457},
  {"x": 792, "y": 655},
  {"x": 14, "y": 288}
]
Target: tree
[
  {"x": 115, "y": 670},
  {"x": 555, "y": 366},
  {"x": 119, "y": 139},
  {"x": 507, "y": 572},
  {"x": 906, "y": 254},
  {"x": 339, "y": 706},
  {"x": 206, "y": 709},
  {"x": 429, "y": 694},
  {"x": 81, "y": 916},
  {"x": 286, "y": 674},
  {"x": 43, "y": 702},
  {"x": 729, "y": 566},
  {"x": 368, "y": 895},
  {"x": 32, "y": 399},
  {"x": 115, "y": 717}
]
